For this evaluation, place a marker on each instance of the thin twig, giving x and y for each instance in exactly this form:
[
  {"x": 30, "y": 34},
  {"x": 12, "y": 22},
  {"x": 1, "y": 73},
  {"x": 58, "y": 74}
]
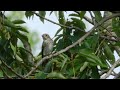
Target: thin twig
[
  {"x": 111, "y": 69},
  {"x": 71, "y": 27},
  {"x": 77, "y": 42},
  {"x": 28, "y": 51},
  {"x": 111, "y": 39},
  {"x": 5, "y": 73},
  {"x": 103, "y": 72},
  {"x": 93, "y": 21},
  {"x": 12, "y": 70},
  {"x": 93, "y": 18}
]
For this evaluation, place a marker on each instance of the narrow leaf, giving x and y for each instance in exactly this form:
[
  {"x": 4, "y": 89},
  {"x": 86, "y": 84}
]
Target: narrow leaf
[
  {"x": 18, "y": 22},
  {"x": 82, "y": 13},
  {"x": 91, "y": 57},
  {"x": 98, "y": 15},
  {"x": 108, "y": 53},
  {"x": 55, "y": 75},
  {"x": 42, "y": 13},
  {"x": 61, "y": 17},
  {"x": 28, "y": 14}
]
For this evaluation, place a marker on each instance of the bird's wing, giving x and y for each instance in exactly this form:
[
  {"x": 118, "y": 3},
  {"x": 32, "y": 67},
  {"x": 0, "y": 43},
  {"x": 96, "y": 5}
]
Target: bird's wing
[{"x": 42, "y": 49}]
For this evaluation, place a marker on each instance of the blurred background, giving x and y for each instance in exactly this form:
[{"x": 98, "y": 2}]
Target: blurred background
[{"x": 36, "y": 28}]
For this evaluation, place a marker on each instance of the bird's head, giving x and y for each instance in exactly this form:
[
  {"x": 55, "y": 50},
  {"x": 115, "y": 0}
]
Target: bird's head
[{"x": 45, "y": 36}]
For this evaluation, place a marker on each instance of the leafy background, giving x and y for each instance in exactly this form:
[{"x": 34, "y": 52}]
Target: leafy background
[{"x": 21, "y": 44}]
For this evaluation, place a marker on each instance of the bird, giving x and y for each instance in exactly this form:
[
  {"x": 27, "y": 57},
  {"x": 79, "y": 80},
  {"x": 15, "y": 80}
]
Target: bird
[{"x": 47, "y": 46}]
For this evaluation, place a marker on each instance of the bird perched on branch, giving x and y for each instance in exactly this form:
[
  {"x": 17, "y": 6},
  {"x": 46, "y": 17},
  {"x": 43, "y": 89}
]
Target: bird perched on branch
[{"x": 47, "y": 46}]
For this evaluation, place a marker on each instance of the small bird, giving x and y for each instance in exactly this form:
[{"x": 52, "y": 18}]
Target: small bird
[{"x": 47, "y": 45}]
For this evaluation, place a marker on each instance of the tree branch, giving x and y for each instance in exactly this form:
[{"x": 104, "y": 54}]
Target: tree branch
[
  {"x": 77, "y": 42},
  {"x": 71, "y": 27},
  {"x": 12, "y": 69},
  {"x": 105, "y": 71},
  {"x": 117, "y": 48},
  {"x": 111, "y": 69},
  {"x": 111, "y": 39},
  {"x": 5, "y": 73},
  {"x": 28, "y": 51}
]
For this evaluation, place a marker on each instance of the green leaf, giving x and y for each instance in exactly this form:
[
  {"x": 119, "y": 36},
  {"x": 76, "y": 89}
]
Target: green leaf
[
  {"x": 28, "y": 14},
  {"x": 95, "y": 73},
  {"x": 116, "y": 26},
  {"x": 60, "y": 45},
  {"x": 61, "y": 17},
  {"x": 73, "y": 14},
  {"x": 12, "y": 25},
  {"x": 13, "y": 48},
  {"x": 91, "y": 57},
  {"x": 84, "y": 66},
  {"x": 56, "y": 75},
  {"x": 18, "y": 22},
  {"x": 1, "y": 73},
  {"x": 57, "y": 38},
  {"x": 42, "y": 13},
  {"x": 21, "y": 36},
  {"x": 40, "y": 75},
  {"x": 103, "y": 59},
  {"x": 108, "y": 53},
  {"x": 65, "y": 59},
  {"x": 23, "y": 53},
  {"x": 98, "y": 15},
  {"x": 92, "y": 41},
  {"x": 9, "y": 23},
  {"x": 83, "y": 75},
  {"x": 82, "y": 13},
  {"x": 48, "y": 66},
  {"x": 78, "y": 23},
  {"x": 22, "y": 29}
]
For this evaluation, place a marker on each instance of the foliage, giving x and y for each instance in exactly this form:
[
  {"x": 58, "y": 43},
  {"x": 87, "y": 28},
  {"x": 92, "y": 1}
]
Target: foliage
[{"x": 84, "y": 61}]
